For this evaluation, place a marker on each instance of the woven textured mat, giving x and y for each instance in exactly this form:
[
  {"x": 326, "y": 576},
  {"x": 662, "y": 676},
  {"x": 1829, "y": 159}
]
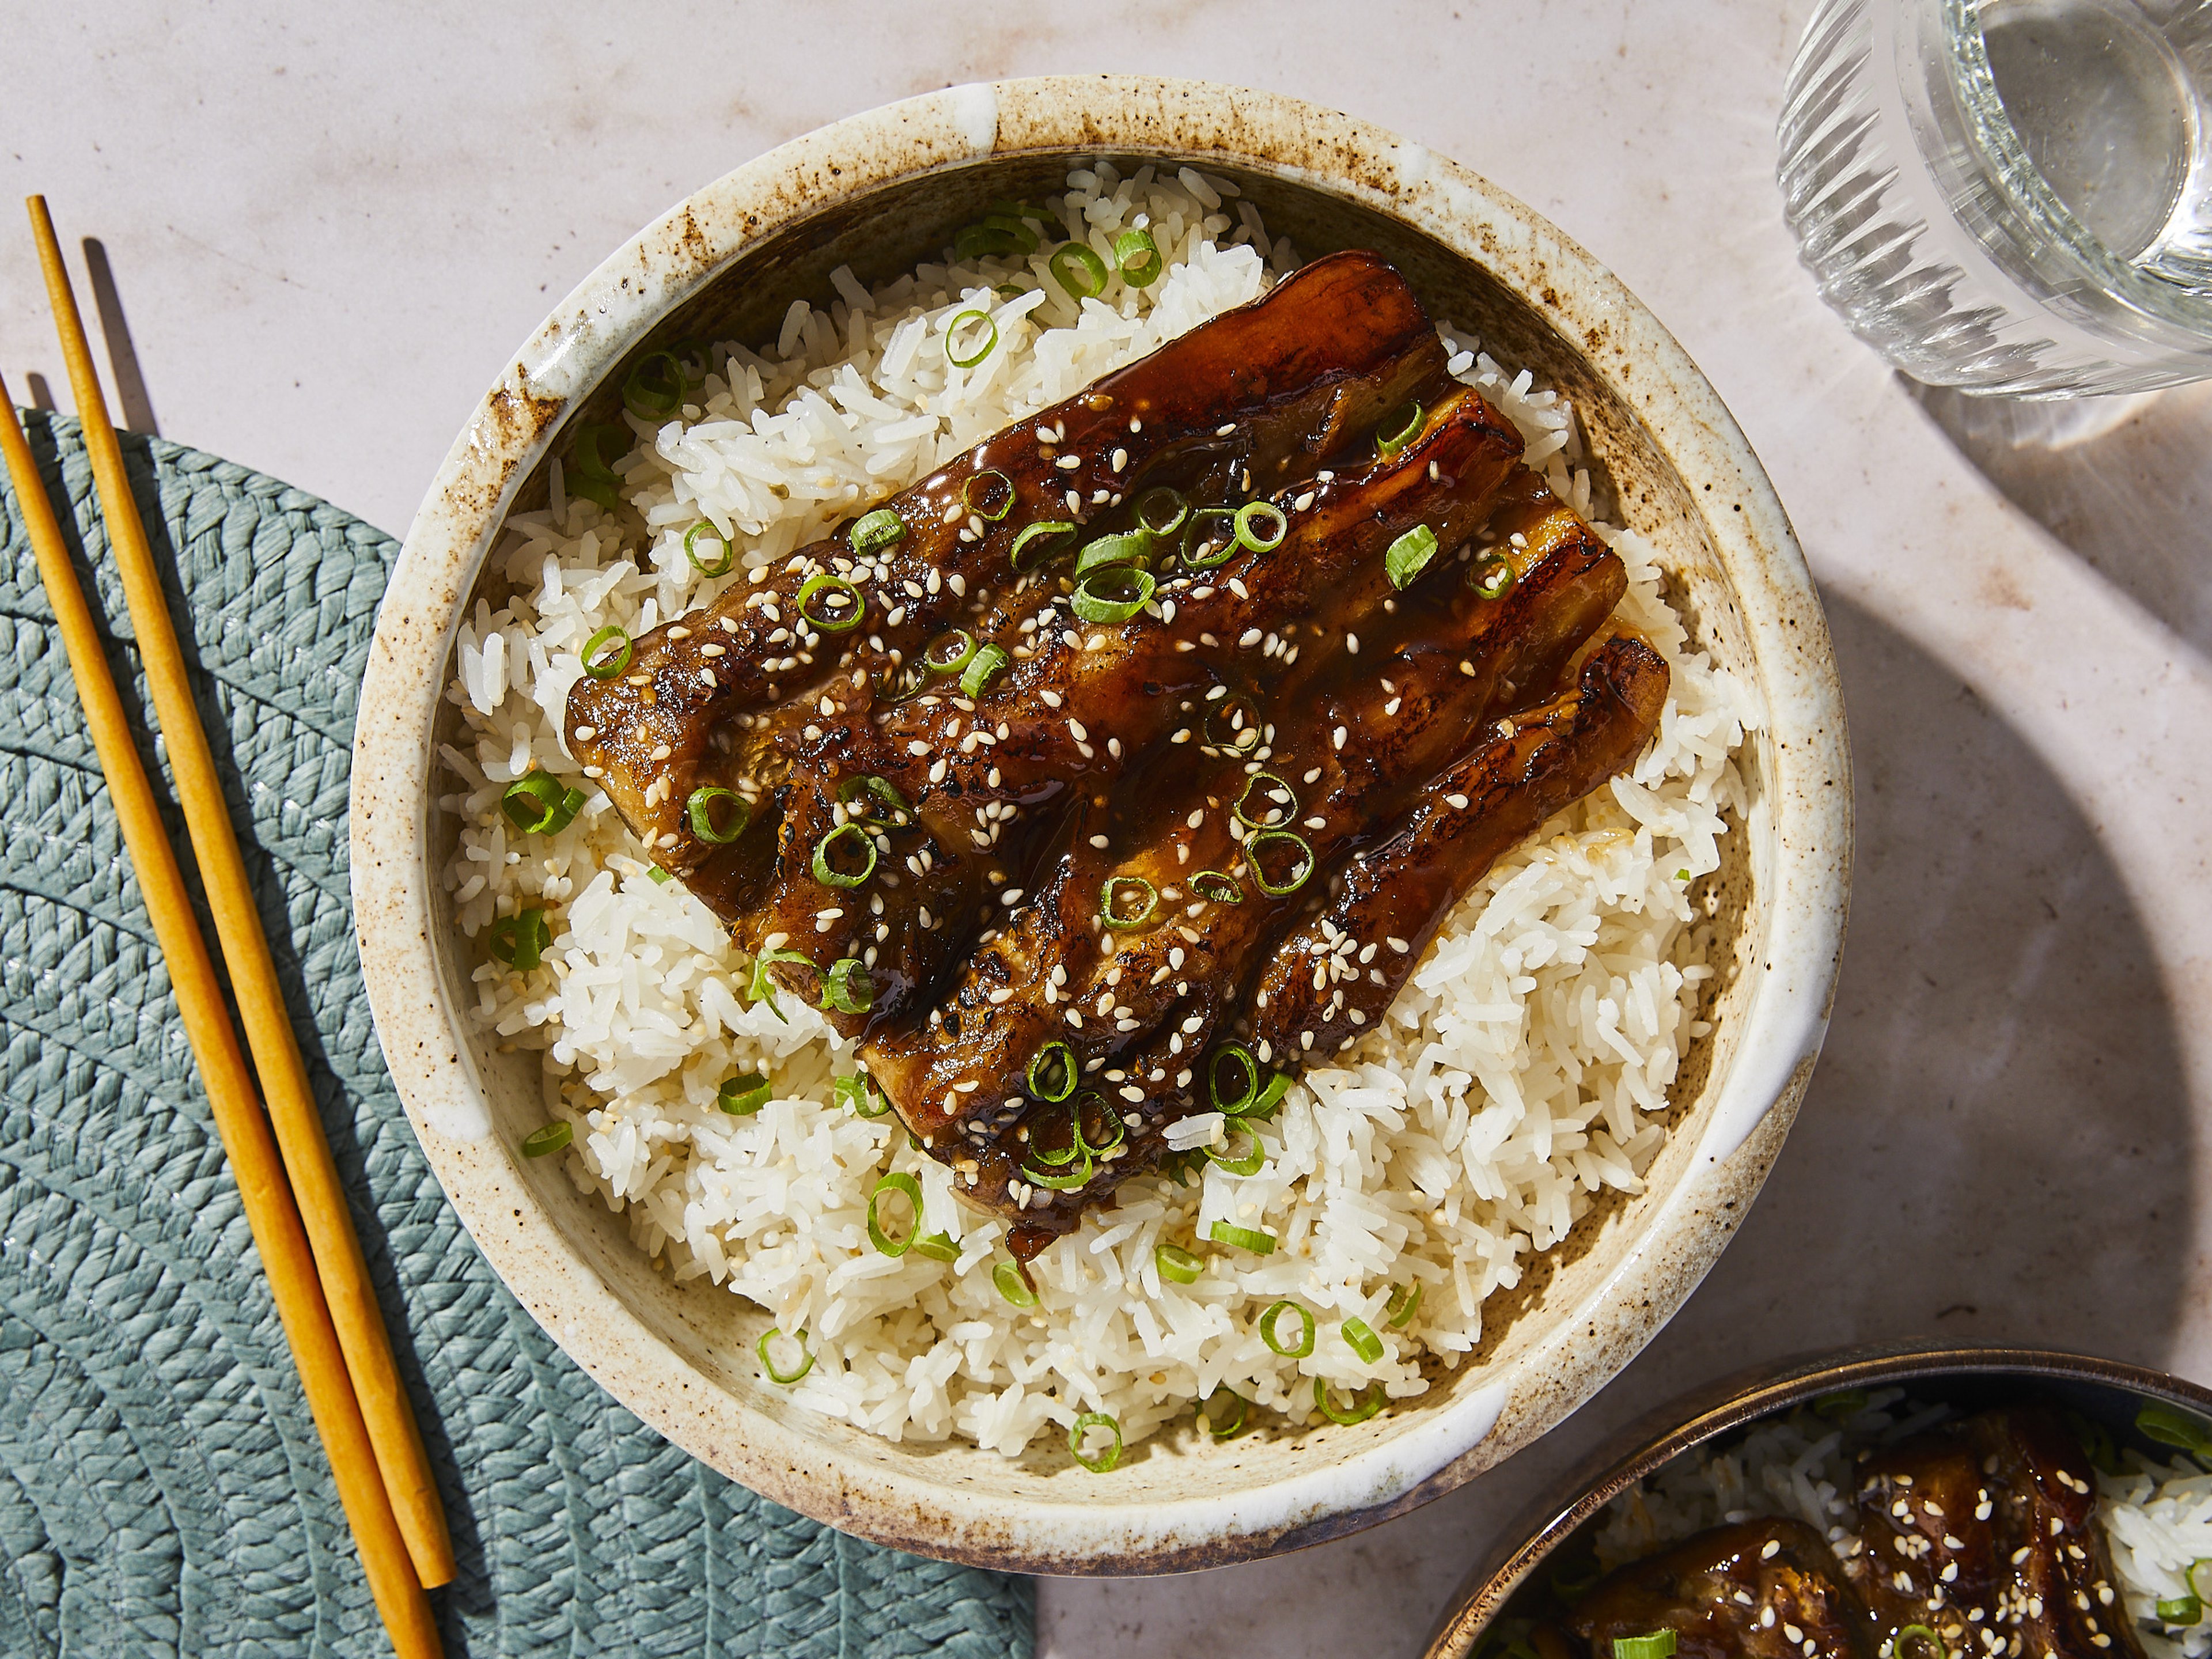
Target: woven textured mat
[{"x": 161, "y": 1489}]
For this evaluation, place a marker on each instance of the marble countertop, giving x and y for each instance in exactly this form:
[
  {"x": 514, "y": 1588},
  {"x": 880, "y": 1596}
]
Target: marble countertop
[{"x": 325, "y": 236}]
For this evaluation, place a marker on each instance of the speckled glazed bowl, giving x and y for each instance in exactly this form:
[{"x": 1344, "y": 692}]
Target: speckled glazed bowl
[
  {"x": 2105, "y": 1391},
  {"x": 881, "y": 192}
]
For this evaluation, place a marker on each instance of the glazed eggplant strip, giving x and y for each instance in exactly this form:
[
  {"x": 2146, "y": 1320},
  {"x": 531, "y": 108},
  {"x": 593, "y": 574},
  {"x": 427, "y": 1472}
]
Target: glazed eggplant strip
[{"x": 1253, "y": 396}]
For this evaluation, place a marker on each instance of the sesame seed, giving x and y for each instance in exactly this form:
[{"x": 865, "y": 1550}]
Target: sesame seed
[
  {"x": 586, "y": 733},
  {"x": 1352, "y": 643},
  {"x": 1068, "y": 463},
  {"x": 1337, "y": 737},
  {"x": 1228, "y": 431},
  {"x": 1457, "y": 802},
  {"x": 1303, "y": 503}
]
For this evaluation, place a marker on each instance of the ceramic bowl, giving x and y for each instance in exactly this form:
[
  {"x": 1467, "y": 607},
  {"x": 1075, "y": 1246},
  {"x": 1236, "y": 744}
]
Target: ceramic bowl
[
  {"x": 882, "y": 191},
  {"x": 2105, "y": 1391}
]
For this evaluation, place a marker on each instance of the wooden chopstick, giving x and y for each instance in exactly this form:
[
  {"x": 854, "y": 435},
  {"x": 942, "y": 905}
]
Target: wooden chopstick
[
  {"x": 392, "y": 1433},
  {"x": 276, "y": 1231}
]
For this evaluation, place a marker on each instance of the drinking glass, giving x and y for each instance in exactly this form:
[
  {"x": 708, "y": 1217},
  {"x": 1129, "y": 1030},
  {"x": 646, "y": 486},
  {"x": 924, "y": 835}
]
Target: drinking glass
[{"x": 2010, "y": 196}]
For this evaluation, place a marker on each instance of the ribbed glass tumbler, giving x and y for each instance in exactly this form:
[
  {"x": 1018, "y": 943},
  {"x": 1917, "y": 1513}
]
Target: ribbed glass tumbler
[{"x": 2010, "y": 196}]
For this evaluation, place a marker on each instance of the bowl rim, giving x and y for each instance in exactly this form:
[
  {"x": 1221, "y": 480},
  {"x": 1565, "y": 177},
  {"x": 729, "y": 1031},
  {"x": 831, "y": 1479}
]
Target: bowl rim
[
  {"x": 1781, "y": 1024},
  {"x": 1733, "y": 1401}
]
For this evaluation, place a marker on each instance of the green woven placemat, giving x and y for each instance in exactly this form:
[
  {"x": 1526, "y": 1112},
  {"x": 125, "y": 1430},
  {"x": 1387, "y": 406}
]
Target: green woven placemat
[{"x": 161, "y": 1489}]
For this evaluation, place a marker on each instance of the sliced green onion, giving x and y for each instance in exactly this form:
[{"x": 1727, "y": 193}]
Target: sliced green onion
[
  {"x": 786, "y": 1378},
  {"x": 1270, "y": 1327},
  {"x": 1042, "y": 532},
  {"x": 1215, "y": 553},
  {"x": 763, "y": 988},
  {"x": 1093, "y": 599},
  {"x": 1659, "y": 1644},
  {"x": 1078, "y": 271},
  {"x": 1249, "y": 532},
  {"x": 1404, "y": 1300},
  {"x": 897, "y": 1181},
  {"x": 938, "y": 1247},
  {"x": 593, "y": 478},
  {"x": 1395, "y": 433},
  {"x": 990, "y": 340},
  {"x": 859, "y": 1095},
  {"x": 877, "y": 529},
  {"x": 702, "y": 808},
  {"x": 2170, "y": 1427},
  {"x": 847, "y": 988},
  {"x": 1241, "y": 1056},
  {"x": 606, "y": 668},
  {"x": 542, "y": 1143},
  {"x": 1409, "y": 556},
  {"x": 519, "y": 941},
  {"x": 1058, "y": 1156},
  {"x": 1364, "y": 1404},
  {"x": 1492, "y": 577},
  {"x": 1005, "y": 498},
  {"x": 1241, "y": 1238},
  {"x": 1359, "y": 1337},
  {"x": 1843, "y": 1405},
  {"x": 660, "y": 876},
  {"x": 1112, "y": 903},
  {"x": 828, "y": 873},
  {"x": 1247, "y": 1164},
  {"x": 1083, "y": 1425},
  {"x": 822, "y": 581},
  {"x": 1270, "y": 1098},
  {"x": 1911, "y": 1633},
  {"x": 1013, "y": 1285},
  {"x": 1265, "y": 884},
  {"x": 870, "y": 789},
  {"x": 1123, "y": 547},
  {"x": 1232, "y": 1424},
  {"x": 1178, "y": 1264},
  {"x": 1138, "y": 258},
  {"x": 1051, "y": 1076},
  {"x": 2181, "y": 1610},
  {"x": 1161, "y": 511},
  {"x": 745, "y": 1094},
  {"x": 982, "y": 668},
  {"x": 1066, "y": 1182},
  {"x": 2199, "y": 1587},
  {"x": 1217, "y": 888},
  {"x": 1091, "y": 1103},
  {"x": 655, "y": 396},
  {"x": 538, "y": 806},
  {"x": 721, "y": 567},
  {"x": 1279, "y": 816},
  {"x": 1233, "y": 723}
]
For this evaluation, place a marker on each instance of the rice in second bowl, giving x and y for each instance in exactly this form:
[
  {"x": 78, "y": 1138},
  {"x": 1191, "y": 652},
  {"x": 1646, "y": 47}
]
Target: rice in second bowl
[{"x": 1524, "y": 1069}]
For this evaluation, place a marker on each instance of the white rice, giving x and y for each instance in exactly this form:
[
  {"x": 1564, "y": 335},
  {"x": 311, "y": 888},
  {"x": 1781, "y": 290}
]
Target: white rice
[
  {"x": 2157, "y": 1518},
  {"x": 1519, "y": 1073}
]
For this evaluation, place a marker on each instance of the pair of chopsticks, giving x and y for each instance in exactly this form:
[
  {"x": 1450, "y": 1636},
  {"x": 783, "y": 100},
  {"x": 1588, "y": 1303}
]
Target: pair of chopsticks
[{"x": 295, "y": 1205}]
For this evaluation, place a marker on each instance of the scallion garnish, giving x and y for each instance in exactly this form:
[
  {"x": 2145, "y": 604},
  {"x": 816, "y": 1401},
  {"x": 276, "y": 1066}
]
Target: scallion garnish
[
  {"x": 1659, "y": 1644},
  {"x": 660, "y": 876},
  {"x": 1233, "y": 723},
  {"x": 1051, "y": 1076},
  {"x": 1213, "y": 548},
  {"x": 847, "y": 988},
  {"x": 2182, "y": 1610},
  {"x": 948, "y": 653},
  {"x": 1013, "y": 1285},
  {"x": 519, "y": 941},
  {"x": 1252, "y": 519},
  {"x": 871, "y": 793},
  {"x": 1060, "y": 1156},
  {"x": 1278, "y": 799},
  {"x": 938, "y": 1247},
  {"x": 1398, "y": 429},
  {"x": 844, "y": 594},
  {"x": 1083, "y": 1425},
  {"x": 1492, "y": 577},
  {"x": 1138, "y": 257},
  {"x": 1247, "y": 1093},
  {"x": 1249, "y": 1164},
  {"x": 1266, "y": 884},
  {"x": 2198, "y": 1578},
  {"x": 538, "y": 806},
  {"x": 828, "y": 873},
  {"x": 1065, "y": 1181},
  {"x": 603, "y": 667},
  {"x": 858, "y": 1094},
  {"x": 1241, "y": 1238},
  {"x": 707, "y": 803},
  {"x": 1125, "y": 547},
  {"x": 1096, "y": 600},
  {"x": 897, "y": 1181},
  {"x": 1161, "y": 511},
  {"x": 544, "y": 1142},
  {"x": 593, "y": 476},
  {"x": 1119, "y": 893},
  {"x": 785, "y": 1378},
  {"x": 990, "y": 339},
  {"x": 1403, "y": 1301},
  {"x": 1842, "y": 1406},
  {"x": 744, "y": 1094},
  {"x": 2170, "y": 1427},
  {"x": 982, "y": 668},
  {"x": 998, "y": 486},
  {"x": 1078, "y": 271},
  {"x": 1043, "y": 534},
  {"x": 877, "y": 530},
  {"x": 1270, "y": 1098},
  {"x": 1176, "y": 1263},
  {"x": 1360, "y": 1338},
  {"x": 1409, "y": 556},
  {"x": 763, "y": 988},
  {"x": 1270, "y": 1323},
  {"x": 1927, "y": 1643},
  {"x": 1230, "y": 1421},
  {"x": 1002, "y": 230},
  {"x": 1217, "y": 888},
  {"x": 653, "y": 393},
  {"x": 1366, "y": 1405},
  {"x": 720, "y": 567}
]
